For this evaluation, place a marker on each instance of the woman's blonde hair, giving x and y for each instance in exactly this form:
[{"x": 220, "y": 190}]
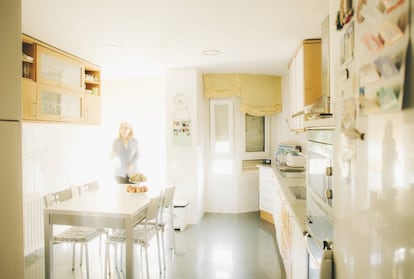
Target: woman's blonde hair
[{"x": 131, "y": 131}]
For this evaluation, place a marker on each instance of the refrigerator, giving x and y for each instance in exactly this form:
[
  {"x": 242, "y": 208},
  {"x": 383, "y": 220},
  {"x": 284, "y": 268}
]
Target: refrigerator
[
  {"x": 11, "y": 209},
  {"x": 374, "y": 164}
]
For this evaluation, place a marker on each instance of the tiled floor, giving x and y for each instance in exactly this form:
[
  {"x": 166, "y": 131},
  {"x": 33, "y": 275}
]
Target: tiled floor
[{"x": 222, "y": 246}]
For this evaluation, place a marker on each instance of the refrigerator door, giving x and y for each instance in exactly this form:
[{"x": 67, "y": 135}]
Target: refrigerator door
[
  {"x": 374, "y": 187},
  {"x": 10, "y": 57},
  {"x": 11, "y": 208},
  {"x": 374, "y": 215}
]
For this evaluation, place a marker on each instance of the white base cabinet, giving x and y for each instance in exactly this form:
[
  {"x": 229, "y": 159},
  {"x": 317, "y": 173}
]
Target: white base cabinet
[
  {"x": 267, "y": 192},
  {"x": 299, "y": 254},
  {"x": 289, "y": 233}
]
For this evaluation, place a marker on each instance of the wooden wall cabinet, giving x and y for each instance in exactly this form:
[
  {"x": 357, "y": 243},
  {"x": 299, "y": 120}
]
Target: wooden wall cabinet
[
  {"x": 305, "y": 81},
  {"x": 58, "y": 86},
  {"x": 92, "y": 109},
  {"x": 29, "y": 101},
  {"x": 92, "y": 101}
]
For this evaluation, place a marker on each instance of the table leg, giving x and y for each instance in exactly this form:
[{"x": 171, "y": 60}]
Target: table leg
[
  {"x": 48, "y": 237},
  {"x": 129, "y": 248}
]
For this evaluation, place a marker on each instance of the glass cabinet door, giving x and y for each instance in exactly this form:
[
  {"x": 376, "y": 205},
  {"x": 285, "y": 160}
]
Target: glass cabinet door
[
  {"x": 58, "y": 105},
  {"x": 59, "y": 70}
]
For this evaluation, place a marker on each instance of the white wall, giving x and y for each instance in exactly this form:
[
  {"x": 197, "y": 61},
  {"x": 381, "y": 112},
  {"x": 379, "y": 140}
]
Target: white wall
[
  {"x": 57, "y": 155},
  {"x": 141, "y": 102},
  {"x": 185, "y": 164}
]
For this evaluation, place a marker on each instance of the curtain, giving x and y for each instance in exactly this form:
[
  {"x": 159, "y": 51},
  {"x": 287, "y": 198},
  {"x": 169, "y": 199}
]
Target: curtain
[{"x": 259, "y": 94}]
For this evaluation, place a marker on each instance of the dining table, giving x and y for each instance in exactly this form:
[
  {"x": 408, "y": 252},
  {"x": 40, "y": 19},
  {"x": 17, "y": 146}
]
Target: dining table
[{"x": 109, "y": 207}]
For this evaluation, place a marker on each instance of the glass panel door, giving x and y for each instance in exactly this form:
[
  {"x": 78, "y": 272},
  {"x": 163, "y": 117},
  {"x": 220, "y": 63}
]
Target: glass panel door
[
  {"x": 58, "y": 105},
  {"x": 57, "y": 69}
]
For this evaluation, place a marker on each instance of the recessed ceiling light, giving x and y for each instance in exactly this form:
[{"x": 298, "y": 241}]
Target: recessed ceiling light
[
  {"x": 211, "y": 52},
  {"x": 113, "y": 46}
]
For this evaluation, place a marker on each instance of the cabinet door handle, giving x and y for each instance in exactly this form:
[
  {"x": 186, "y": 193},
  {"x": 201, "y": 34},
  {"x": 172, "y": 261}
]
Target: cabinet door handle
[{"x": 328, "y": 171}]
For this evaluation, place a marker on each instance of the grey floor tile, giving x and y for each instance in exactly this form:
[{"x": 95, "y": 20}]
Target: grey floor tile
[{"x": 221, "y": 246}]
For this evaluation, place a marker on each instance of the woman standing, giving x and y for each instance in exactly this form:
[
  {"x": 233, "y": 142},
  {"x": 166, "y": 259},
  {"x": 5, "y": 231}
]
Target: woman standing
[{"x": 125, "y": 149}]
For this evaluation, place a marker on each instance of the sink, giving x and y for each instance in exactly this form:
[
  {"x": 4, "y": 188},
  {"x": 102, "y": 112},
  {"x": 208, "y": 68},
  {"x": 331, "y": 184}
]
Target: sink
[
  {"x": 288, "y": 173},
  {"x": 299, "y": 192}
]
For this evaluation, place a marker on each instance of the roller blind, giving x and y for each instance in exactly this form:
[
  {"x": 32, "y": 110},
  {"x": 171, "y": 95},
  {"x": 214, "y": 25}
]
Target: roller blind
[
  {"x": 259, "y": 94},
  {"x": 221, "y": 85}
]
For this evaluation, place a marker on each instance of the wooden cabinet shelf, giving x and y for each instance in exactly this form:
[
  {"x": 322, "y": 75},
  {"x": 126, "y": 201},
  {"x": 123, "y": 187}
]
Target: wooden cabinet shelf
[
  {"x": 58, "y": 86},
  {"x": 28, "y": 60},
  {"x": 91, "y": 82}
]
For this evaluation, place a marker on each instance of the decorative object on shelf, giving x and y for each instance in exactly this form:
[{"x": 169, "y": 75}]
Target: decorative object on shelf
[
  {"x": 181, "y": 120},
  {"x": 345, "y": 14}
]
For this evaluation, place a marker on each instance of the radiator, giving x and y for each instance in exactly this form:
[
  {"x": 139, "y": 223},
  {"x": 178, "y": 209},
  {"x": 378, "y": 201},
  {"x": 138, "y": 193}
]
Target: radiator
[{"x": 33, "y": 223}]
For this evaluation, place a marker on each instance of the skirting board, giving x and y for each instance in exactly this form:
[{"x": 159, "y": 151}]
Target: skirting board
[{"x": 266, "y": 216}]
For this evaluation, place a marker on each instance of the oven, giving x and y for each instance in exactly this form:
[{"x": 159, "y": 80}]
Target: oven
[{"x": 319, "y": 197}]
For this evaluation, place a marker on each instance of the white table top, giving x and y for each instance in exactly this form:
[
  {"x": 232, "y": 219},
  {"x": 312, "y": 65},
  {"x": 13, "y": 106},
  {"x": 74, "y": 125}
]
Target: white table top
[{"x": 115, "y": 201}]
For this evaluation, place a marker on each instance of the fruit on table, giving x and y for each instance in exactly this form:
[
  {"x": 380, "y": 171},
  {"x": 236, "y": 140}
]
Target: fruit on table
[{"x": 136, "y": 189}]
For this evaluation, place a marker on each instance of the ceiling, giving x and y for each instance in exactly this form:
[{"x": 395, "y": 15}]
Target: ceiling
[{"x": 136, "y": 38}]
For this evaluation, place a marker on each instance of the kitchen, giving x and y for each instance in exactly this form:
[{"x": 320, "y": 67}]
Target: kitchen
[{"x": 154, "y": 104}]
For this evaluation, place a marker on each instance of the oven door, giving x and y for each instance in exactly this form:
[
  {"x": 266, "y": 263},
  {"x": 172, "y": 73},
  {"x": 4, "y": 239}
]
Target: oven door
[
  {"x": 319, "y": 235},
  {"x": 319, "y": 164}
]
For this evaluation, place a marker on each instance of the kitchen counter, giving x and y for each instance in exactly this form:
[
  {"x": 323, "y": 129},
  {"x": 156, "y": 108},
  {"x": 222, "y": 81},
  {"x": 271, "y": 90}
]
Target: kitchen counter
[{"x": 297, "y": 206}]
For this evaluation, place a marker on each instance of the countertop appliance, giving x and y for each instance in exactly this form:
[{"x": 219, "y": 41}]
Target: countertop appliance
[
  {"x": 282, "y": 150},
  {"x": 295, "y": 159},
  {"x": 374, "y": 172}
]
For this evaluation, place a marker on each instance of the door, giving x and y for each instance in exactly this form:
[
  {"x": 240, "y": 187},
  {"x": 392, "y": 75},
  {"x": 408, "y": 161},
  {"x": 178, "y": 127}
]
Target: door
[
  {"x": 92, "y": 109},
  {"x": 56, "y": 104},
  {"x": 28, "y": 99}
]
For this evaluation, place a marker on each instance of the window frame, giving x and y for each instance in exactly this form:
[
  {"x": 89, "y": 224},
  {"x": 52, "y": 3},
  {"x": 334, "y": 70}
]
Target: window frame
[
  {"x": 221, "y": 156},
  {"x": 255, "y": 155}
]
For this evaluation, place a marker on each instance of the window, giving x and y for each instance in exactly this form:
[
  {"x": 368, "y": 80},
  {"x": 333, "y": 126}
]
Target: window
[
  {"x": 255, "y": 133},
  {"x": 221, "y": 136},
  {"x": 256, "y": 141}
]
